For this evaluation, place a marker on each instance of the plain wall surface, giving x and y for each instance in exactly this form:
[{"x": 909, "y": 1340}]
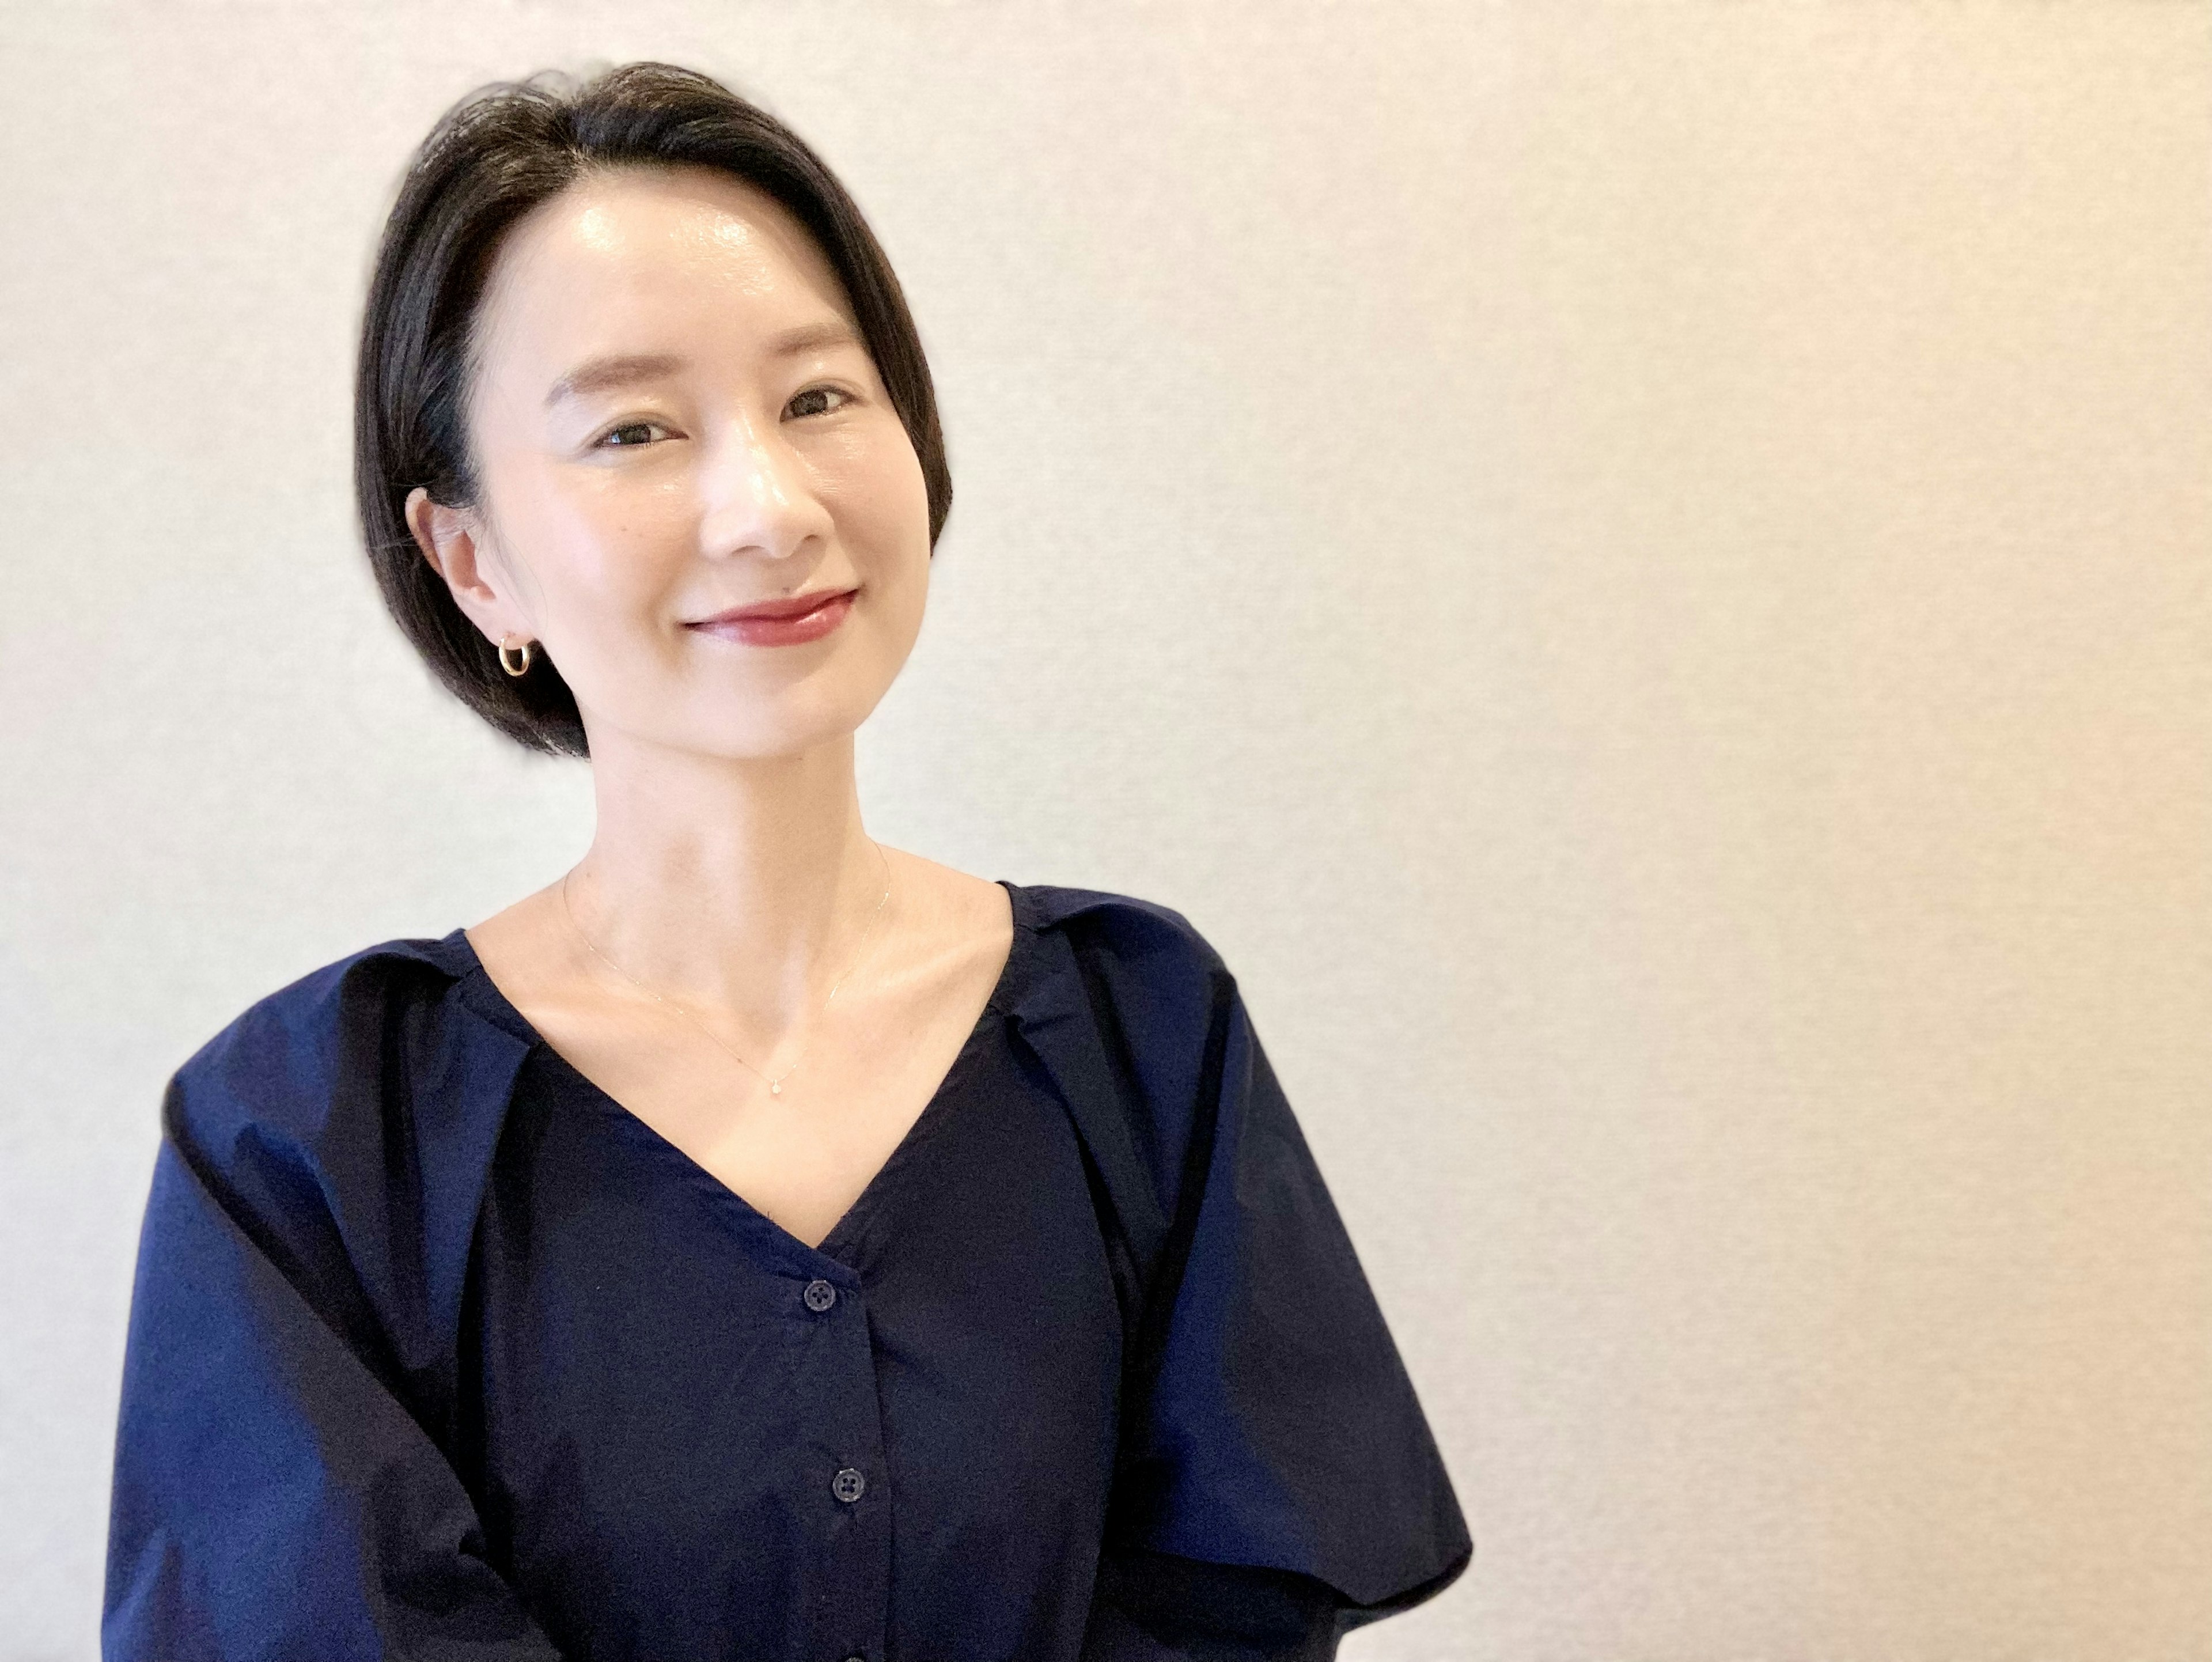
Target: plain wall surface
[{"x": 1644, "y": 571}]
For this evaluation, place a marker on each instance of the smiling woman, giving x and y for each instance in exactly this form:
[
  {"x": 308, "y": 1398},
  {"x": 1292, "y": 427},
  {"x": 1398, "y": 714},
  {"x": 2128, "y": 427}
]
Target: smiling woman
[
  {"x": 672, "y": 406},
  {"x": 594, "y": 254},
  {"x": 499, "y": 1294}
]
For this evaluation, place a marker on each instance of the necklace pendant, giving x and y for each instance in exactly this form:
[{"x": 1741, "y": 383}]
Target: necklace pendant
[{"x": 775, "y": 1087}]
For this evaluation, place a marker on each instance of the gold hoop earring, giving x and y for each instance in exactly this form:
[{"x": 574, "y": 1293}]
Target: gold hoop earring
[{"x": 523, "y": 668}]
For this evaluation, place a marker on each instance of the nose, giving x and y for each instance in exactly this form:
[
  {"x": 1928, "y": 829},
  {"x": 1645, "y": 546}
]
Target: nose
[{"x": 760, "y": 496}]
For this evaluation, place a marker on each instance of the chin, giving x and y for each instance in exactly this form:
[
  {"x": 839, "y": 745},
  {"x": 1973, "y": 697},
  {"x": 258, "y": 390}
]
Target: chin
[{"x": 809, "y": 719}]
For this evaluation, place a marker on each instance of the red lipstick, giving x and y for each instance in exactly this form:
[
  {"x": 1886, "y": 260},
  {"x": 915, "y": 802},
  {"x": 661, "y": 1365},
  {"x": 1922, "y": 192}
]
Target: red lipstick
[{"x": 787, "y": 622}]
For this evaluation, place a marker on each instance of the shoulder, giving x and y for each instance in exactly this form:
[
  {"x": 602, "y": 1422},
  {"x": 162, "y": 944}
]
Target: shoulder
[
  {"x": 346, "y": 1123},
  {"x": 340, "y": 1131},
  {"x": 1131, "y": 1005},
  {"x": 1136, "y": 943},
  {"x": 1053, "y": 905},
  {"x": 1157, "y": 989},
  {"x": 328, "y": 1047}
]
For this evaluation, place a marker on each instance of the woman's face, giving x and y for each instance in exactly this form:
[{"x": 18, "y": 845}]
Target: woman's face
[{"x": 674, "y": 415}]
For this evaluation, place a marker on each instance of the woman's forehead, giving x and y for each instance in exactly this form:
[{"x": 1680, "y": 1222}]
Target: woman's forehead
[{"x": 656, "y": 242}]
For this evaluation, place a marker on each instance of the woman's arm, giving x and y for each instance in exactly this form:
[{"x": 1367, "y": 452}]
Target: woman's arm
[
  {"x": 272, "y": 1496},
  {"x": 1156, "y": 1607},
  {"x": 281, "y": 1487}
]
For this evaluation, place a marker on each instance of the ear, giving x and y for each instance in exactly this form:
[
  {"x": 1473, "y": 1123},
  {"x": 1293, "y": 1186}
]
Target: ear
[{"x": 449, "y": 540}]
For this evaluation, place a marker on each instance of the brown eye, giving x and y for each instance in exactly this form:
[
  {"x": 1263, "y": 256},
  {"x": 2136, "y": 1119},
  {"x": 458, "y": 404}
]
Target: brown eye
[
  {"x": 612, "y": 435},
  {"x": 811, "y": 401}
]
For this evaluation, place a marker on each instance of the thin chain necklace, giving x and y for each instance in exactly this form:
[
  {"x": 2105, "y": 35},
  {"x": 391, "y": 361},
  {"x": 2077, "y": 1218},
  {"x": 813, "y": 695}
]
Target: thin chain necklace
[{"x": 775, "y": 1085}]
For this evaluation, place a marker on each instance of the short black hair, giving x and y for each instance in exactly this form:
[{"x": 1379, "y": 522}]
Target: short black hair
[{"x": 500, "y": 152}]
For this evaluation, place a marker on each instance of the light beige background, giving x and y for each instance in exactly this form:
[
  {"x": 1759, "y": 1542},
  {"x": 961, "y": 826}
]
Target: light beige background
[{"x": 1641, "y": 570}]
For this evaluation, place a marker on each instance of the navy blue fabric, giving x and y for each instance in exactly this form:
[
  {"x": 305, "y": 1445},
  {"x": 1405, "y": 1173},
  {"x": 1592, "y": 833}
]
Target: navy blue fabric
[{"x": 438, "y": 1352}]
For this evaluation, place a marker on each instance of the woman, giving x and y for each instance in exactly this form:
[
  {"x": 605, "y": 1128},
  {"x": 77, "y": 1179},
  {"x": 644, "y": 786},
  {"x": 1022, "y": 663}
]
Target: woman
[{"x": 760, "y": 1244}]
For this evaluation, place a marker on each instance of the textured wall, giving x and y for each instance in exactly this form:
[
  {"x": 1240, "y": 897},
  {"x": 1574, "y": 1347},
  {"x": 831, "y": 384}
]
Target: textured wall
[{"x": 1642, "y": 570}]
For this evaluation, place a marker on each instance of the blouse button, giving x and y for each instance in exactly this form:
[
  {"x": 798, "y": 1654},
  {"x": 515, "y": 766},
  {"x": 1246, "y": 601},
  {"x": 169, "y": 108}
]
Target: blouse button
[
  {"x": 820, "y": 1296},
  {"x": 847, "y": 1484}
]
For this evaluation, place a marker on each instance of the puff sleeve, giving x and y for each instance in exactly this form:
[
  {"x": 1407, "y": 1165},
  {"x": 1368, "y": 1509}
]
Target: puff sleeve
[
  {"x": 1277, "y": 1483},
  {"x": 278, "y": 1490}
]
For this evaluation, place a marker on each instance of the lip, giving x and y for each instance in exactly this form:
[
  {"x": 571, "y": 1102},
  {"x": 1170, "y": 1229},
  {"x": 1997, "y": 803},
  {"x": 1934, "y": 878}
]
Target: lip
[
  {"x": 789, "y": 622},
  {"x": 792, "y": 605}
]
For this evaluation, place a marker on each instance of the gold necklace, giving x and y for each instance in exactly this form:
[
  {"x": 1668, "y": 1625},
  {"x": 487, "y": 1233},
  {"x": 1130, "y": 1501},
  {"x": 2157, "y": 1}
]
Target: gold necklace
[{"x": 774, "y": 1086}]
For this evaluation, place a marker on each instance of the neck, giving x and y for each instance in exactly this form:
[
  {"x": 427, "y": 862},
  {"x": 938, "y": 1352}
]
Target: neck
[{"x": 745, "y": 887}]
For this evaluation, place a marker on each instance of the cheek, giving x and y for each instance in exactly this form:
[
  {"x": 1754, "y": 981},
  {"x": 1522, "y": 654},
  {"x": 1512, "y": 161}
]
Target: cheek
[
  {"x": 605, "y": 558},
  {"x": 885, "y": 509}
]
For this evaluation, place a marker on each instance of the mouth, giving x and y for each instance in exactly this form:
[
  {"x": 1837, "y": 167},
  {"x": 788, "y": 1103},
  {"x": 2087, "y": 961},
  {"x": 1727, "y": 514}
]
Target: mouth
[{"x": 782, "y": 610}]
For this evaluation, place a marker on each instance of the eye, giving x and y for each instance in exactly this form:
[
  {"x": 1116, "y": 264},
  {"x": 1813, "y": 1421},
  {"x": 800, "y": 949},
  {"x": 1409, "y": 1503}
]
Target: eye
[
  {"x": 809, "y": 403},
  {"x": 621, "y": 443}
]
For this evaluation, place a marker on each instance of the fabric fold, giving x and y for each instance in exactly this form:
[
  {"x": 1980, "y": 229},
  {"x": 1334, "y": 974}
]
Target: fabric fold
[
  {"x": 279, "y": 1486},
  {"x": 1268, "y": 1421}
]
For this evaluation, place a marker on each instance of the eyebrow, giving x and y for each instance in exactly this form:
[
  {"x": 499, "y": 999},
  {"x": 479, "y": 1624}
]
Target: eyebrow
[{"x": 614, "y": 369}]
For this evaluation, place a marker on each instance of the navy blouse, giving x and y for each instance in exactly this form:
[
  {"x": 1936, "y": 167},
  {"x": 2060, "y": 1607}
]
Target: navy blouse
[{"x": 438, "y": 1352}]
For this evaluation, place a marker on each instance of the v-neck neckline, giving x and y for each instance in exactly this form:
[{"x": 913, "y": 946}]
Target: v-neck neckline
[{"x": 1000, "y": 1004}]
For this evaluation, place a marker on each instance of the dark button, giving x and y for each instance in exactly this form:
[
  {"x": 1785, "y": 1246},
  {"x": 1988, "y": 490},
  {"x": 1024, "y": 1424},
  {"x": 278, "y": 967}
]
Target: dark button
[
  {"x": 820, "y": 1296},
  {"x": 847, "y": 1484}
]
